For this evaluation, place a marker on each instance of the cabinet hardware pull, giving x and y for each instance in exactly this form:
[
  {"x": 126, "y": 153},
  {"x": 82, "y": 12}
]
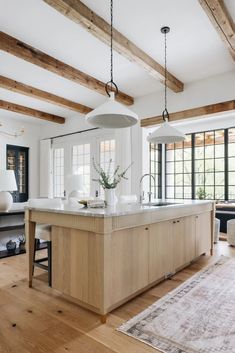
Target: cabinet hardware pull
[
  {"x": 146, "y": 228},
  {"x": 178, "y": 221},
  {"x": 174, "y": 221}
]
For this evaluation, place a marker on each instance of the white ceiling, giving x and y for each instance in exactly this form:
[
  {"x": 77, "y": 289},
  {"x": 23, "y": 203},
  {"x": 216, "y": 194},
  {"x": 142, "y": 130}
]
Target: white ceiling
[{"x": 195, "y": 51}]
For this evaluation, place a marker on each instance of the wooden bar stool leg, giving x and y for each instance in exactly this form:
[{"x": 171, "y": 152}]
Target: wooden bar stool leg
[{"x": 34, "y": 254}]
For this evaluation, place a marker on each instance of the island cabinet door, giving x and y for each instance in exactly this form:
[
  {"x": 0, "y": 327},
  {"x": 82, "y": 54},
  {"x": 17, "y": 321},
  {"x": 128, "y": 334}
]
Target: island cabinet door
[
  {"x": 184, "y": 240},
  {"x": 77, "y": 264},
  {"x": 160, "y": 250},
  {"x": 203, "y": 233},
  {"x": 126, "y": 263}
]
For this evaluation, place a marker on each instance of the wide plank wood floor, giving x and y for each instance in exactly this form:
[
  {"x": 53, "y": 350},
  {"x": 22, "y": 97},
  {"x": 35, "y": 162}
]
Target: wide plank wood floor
[{"x": 38, "y": 320}]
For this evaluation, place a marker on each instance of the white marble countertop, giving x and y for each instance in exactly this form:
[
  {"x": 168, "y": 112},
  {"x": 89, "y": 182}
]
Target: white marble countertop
[{"x": 118, "y": 210}]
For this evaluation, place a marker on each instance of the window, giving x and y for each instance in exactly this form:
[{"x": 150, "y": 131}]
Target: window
[
  {"x": 231, "y": 164},
  {"x": 58, "y": 172},
  {"x": 81, "y": 164},
  {"x": 107, "y": 153},
  {"x": 203, "y": 166},
  {"x": 107, "y": 158},
  {"x": 179, "y": 169},
  {"x": 209, "y": 165},
  {"x": 155, "y": 169}
]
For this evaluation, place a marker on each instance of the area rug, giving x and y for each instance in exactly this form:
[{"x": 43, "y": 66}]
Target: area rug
[{"x": 198, "y": 316}]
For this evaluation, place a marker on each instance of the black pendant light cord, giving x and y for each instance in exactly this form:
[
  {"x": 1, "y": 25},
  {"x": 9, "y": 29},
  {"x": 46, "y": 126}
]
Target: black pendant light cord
[
  {"x": 165, "y": 114},
  {"x": 111, "y": 82},
  {"x": 111, "y": 41}
]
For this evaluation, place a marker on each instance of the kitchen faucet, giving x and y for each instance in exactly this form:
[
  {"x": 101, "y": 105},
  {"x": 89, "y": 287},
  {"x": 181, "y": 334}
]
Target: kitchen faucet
[{"x": 149, "y": 193}]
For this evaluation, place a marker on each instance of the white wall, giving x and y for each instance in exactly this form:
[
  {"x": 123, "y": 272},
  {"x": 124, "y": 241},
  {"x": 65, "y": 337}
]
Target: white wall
[{"x": 29, "y": 139}]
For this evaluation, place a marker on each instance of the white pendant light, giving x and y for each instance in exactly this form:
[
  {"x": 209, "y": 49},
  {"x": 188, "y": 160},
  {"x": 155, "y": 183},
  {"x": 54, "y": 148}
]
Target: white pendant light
[
  {"x": 111, "y": 114},
  {"x": 165, "y": 133}
]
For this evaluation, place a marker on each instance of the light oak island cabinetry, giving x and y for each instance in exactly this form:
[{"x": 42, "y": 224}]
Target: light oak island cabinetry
[
  {"x": 174, "y": 244},
  {"x": 102, "y": 258}
]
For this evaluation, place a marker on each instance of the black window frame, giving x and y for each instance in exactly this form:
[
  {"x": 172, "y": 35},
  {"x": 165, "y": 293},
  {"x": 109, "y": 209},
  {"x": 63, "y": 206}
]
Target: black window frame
[
  {"x": 183, "y": 172},
  {"x": 226, "y": 164},
  {"x": 157, "y": 184}
]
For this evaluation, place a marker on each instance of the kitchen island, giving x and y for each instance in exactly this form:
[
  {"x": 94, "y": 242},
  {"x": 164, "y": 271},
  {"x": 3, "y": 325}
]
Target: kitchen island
[{"x": 101, "y": 258}]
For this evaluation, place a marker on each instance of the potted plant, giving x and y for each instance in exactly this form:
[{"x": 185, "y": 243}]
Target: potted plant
[
  {"x": 110, "y": 181},
  {"x": 201, "y": 194}
]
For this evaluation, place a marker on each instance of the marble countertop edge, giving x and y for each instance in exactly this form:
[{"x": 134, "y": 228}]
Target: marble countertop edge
[{"x": 118, "y": 210}]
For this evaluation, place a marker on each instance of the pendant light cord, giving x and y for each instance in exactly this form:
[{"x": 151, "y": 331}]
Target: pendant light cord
[
  {"x": 111, "y": 41},
  {"x": 165, "y": 114},
  {"x": 111, "y": 82}
]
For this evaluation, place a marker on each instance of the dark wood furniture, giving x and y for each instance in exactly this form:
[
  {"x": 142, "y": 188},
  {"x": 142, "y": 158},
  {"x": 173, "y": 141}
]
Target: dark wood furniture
[
  {"x": 40, "y": 262},
  {"x": 17, "y": 159},
  {"x": 14, "y": 220}
]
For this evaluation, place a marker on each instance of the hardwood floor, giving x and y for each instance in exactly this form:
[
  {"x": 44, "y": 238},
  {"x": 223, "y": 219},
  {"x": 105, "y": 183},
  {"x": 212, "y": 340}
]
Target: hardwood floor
[{"x": 38, "y": 320}]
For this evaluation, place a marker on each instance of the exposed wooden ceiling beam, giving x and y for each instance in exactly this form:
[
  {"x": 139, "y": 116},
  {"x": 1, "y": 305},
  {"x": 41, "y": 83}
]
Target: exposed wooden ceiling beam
[
  {"x": 30, "y": 91},
  {"x": 191, "y": 113},
  {"x": 222, "y": 22},
  {"x": 20, "y": 109},
  {"x": 34, "y": 56},
  {"x": 76, "y": 11}
]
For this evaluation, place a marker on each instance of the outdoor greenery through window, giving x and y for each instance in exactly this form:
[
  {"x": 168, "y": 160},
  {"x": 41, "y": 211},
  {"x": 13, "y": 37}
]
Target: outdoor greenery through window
[
  {"x": 155, "y": 170},
  {"x": 203, "y": 166}
]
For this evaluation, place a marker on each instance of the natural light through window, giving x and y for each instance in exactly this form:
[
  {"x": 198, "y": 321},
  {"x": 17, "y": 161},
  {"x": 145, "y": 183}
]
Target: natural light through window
[
  {"x": 81, "y": 164},
  {"x": 107, "y": 153},
  {"x": 155, "y": 169},
  {"x": 203, "y": 166},
  {"x": 58, "y": 172}
]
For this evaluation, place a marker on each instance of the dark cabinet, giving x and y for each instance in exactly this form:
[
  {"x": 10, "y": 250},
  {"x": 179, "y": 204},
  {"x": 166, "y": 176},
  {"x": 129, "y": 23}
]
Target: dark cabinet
[{"x": 17, "y": 160}]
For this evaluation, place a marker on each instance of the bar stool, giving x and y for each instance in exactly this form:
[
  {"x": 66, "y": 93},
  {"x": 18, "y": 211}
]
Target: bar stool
[
  {"x": 43, "y": 232},
  {"x": 216, "y": 230},
  {"x": 231, "y": 232}
]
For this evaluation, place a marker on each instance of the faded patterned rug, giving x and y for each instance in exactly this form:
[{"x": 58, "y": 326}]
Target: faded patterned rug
[{"x": 198, "y": 316}]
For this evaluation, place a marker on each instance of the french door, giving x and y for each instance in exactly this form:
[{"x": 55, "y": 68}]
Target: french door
[{"x": 17, "y": 160}]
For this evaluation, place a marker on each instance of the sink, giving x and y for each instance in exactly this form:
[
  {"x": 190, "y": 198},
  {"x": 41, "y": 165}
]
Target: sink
[{"x": 161, "y": 204}]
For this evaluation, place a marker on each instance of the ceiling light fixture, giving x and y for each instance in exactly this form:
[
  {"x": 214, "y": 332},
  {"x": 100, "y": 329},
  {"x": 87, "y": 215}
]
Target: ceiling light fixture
[
  {"x": 166, "y": 133},
  {"x": 10, "y": 134},
  {"x": 111, "y": 114}
]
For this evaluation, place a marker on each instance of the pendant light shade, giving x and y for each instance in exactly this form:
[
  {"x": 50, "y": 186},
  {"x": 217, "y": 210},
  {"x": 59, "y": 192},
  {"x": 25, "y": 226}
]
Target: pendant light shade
[
  {"x": 112, "y": 115},
  {"x": 166, "y": 133}
]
